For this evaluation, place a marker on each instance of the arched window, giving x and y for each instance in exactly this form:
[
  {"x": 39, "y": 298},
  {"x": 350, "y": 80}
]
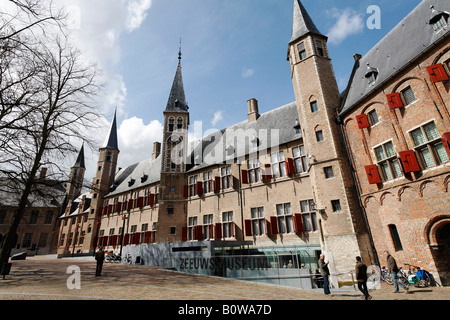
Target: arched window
[
  {"x": 171, "y": 124},
  {"x": 180, "y": 123}
]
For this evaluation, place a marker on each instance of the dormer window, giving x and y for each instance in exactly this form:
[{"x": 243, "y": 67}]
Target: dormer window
[
  {"x": 319, "y": 48},
  {"x": 131, "y": 182},
  {"x": 371, "y": 74},
  {"x": 144, "y": 178},
  {"x": 440, "y": 20}
]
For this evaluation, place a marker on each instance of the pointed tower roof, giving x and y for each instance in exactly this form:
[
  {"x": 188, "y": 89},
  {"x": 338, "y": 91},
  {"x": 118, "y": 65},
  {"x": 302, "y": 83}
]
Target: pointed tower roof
[
  {"x": 79, "y": 163},
  {"x": 177, "y": 99},
  {"x": 111, "y": 138},
  {"x": 302, "y": 23}
]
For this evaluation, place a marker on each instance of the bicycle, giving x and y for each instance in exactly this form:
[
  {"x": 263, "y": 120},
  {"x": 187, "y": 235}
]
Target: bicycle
[
  {"x": 419, "y": 278},
  {"x": 112, "y": 257},
  {"x": 127, "y": 259},
  {"x": 386, "y": 276}
]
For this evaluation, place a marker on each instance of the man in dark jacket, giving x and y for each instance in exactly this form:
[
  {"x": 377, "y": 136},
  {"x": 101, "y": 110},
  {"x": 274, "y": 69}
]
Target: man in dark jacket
[
  {"x": 393, "y": 269},
  {"x": 99, "y": 257},
  {"x": 361, "y": 277},
  {"x": 323, "y": 268}
]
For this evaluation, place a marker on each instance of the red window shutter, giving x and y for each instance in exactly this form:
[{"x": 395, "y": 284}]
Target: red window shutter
[
  {"x": 118, "y": 206},
  {"x": 184, "y": 234},
  {"x": 363, "y": 121},
  {"x": 372, "y": 174},
  {"x": 218, "y": 231},
  {"x": 199, "y": 233},
  {"x": 130, "y": 204},
  {"x": 446, "y": 141},
  {"x": 248, "y": 228},
  {"x": 140, "y": 202},
  {"x": 199, "y": 188},
  {"x": 437, "y": 73},
  {"x": 298, "y": 219},
  {"x": 394, "y": 100},
  {"x": 186, "y": 191},
  {"x": 217, "y": 184},
  {"x": 273, "y": 225},
  {"x": 148, "y": 237},
  {"x": 290, "y": 166},
  {"x": 409, "y": 161},
  {"x": 100, "y": 211},
  {"x": 105, "y": 210},
  {"x": 244, "y": 176},
  {"x": 126, "y": 241},
  {"x": 267, "y": 171},
  {"x": 151, "y": 199},
  {"x": 136, "y": 238}
]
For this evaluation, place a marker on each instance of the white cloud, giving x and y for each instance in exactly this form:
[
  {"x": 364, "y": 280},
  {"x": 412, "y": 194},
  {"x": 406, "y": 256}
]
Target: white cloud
[
  {"x": 136, "y": 140},
  {"x": 217, "y": 117},
  {"x": 247, "y": 72},
  {"x": 348, "y": 22},
  {"x": 137, "y": 11}
]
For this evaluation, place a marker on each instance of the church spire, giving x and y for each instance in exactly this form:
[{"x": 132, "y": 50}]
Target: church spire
[
  {"x": 302, "y": 23},
  {"x": 111, "y": 138},
  {"x": 177, "y": 98},
  {"x": 79, "y": 163}
]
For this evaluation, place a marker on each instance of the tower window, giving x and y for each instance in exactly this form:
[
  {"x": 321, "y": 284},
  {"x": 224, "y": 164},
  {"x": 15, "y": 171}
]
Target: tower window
[
  {"x": 171, "y": 124},
  {"x": 302, "y": 51},
  {"x": 319, "y": 47},
  {"x": 180, "y": 123},
  {"x": 314, "y": 106},
  {"x": 328, "y": 171},
  {"x": 319, "y": 136},
  {"x": 108, "y": 156}
]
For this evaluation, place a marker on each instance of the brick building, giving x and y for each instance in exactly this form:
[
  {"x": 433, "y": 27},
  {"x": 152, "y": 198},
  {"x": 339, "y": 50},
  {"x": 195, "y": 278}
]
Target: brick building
[
  {"x": 395, "y": 117},
  {"x": 352, "y": 173},
  {"x": 38, "y": 231}
]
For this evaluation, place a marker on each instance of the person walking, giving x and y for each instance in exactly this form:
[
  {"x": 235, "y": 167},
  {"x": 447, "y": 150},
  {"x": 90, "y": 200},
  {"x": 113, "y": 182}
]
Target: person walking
[
  {"x": 393, "y": 270},
  {"x": 361, "y": 277},
  {"x": 99, "y": 257},
  {"x": 324, "y": 272}
]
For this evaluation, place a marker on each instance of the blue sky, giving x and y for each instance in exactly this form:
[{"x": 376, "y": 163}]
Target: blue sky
[{"x": 233, "y": 50}]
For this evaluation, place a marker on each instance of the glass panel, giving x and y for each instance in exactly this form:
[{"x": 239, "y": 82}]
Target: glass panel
[
  {"x": 431, "y": 131},
  {"x": 304, "y": 206},
  {"x": 390, "y": 152},
  {"x": 254, "y": 213},
  {"x": 290, "y": 224},
  {"x": 418, "y": 137},
  {"x": 397, "y": 169},
  {"x": 296, "y": 152},
  {"x": 441, "y": 153},
  {"x": 409, "y": 95},
  {"x": 427, "y": 157},
  {"x": 387, "y": 171},
  {"x": 280, "y": 210},
  {"x": 307, "y": 222},
  {"x": 379, "y": 152}
]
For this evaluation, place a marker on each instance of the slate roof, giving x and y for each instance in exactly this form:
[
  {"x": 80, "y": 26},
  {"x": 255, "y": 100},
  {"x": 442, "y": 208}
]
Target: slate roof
[
  {"x": 79, "y": 163},
  {"x": 302, "y": 23},
  {"x": 111, "y": 138},
  {"x": 282, "y": 119},
  {"x": 402, "y": 45},
  {"x": 177, "y": 99}
]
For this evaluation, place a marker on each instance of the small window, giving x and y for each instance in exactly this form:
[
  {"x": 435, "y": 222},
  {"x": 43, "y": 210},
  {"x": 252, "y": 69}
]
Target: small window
[
  {"x": 429, "y": 146},
  {"x": 173, "y": 230},
  {"x": 314, "y": 106},
  {"x": 408, "y": 96},
  {"x": 170, "y": 211},
  {"x": 395, "y": 237},
  {"x": 319, "y": 136},
  {"x": 328, "y": 172},
  {"x": 302, "y": 51},
  {"x": 171, "y": 124},
  {"x": 172, "y": 189},
  {"x": 439, "y": 21},
  {"x": 300, "y": 160},
  {"x": 180, "y": 123},
  {"x": 309, "y": 215},
  {"x": 228, "y": 224},
  {"x": 373, "y": 117},
  {"x": 319, "y": 47},
  {"x": 258, "y": 221},
  {"x": 254, "y": 172},
  {"x": 336, "y": 205},
  {"x": 388, "y": 161}
]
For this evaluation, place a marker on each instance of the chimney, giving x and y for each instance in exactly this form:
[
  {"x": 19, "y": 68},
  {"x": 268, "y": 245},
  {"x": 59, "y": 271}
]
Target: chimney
[
  {"x": 253, "y": 112},
  {"x": 156, "y": 150}
]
